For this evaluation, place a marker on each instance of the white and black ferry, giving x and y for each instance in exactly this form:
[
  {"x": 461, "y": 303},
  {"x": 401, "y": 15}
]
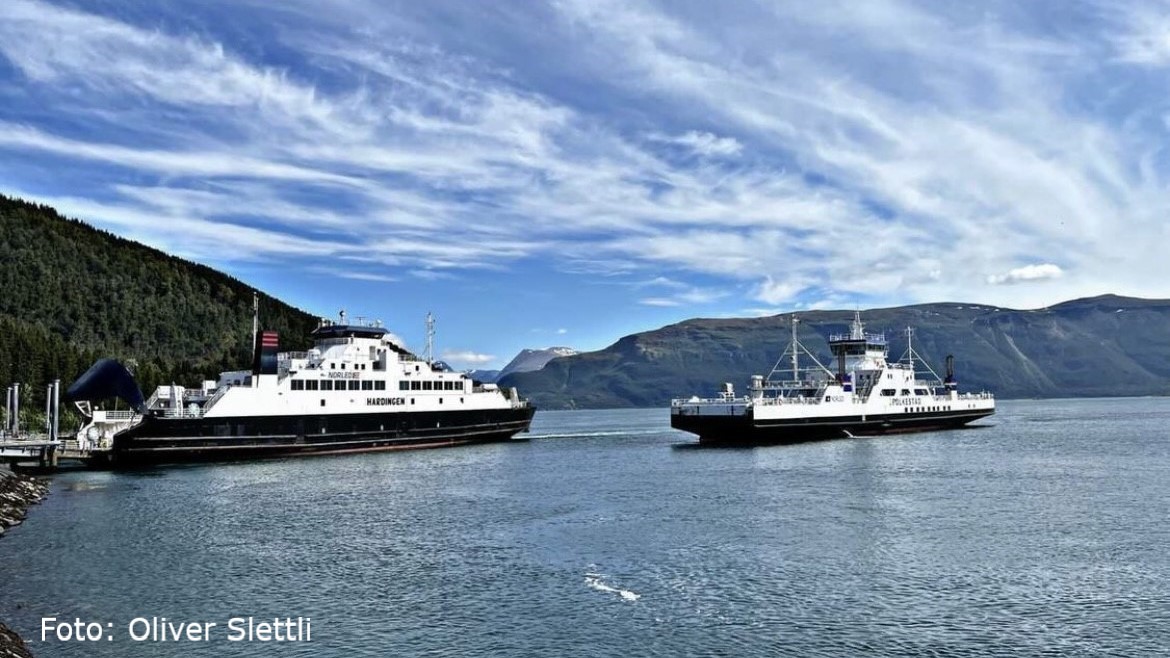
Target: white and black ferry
[
  {"x": 867, "y": 395},
  {"x": 357, "y": 390}
]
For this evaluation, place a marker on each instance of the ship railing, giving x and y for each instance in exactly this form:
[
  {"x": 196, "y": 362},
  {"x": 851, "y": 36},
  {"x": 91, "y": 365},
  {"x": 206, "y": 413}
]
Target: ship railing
[
  {"x": 118, "y": 414},
  {"x": 182, "y": 413},
  {"x": 977, "y": 396},
  {"x": 290, "y": 356},
  {"x": 683, "y": 402},
  {"x": 869, "y": 338},
  {"x": 215, "y": 398}
]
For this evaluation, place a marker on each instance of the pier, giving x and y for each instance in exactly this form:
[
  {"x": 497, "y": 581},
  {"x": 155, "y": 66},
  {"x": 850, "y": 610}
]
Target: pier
[{"x": 46, "y": 449}]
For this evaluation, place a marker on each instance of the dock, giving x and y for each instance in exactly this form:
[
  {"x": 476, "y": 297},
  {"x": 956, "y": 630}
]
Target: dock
[
  {"x": 46, "y": 449},
  {"x": 46, "y": 453}
]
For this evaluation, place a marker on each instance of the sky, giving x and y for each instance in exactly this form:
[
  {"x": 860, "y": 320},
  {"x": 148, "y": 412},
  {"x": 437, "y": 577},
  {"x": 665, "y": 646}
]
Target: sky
[{"x": 569, "y": 172}]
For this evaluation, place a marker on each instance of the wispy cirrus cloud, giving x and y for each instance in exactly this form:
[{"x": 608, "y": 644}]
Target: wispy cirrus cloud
[{"x": 779, "y": 154}]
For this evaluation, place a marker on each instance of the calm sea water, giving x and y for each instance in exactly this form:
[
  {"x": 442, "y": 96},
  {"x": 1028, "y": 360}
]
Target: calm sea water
[{"x": 1044, "y": 533}]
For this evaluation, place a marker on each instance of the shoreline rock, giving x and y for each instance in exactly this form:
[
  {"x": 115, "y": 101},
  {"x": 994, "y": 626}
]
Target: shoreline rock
[
  {"x": 11, "y": 646},
  {"x": 17, "y": 493}
]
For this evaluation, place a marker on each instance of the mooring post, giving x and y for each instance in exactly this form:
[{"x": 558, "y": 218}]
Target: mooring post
[
  {"x": 56, "y": 424},
  {"x": 15, "y": 409},
  {"x": 8, "y": 411}
]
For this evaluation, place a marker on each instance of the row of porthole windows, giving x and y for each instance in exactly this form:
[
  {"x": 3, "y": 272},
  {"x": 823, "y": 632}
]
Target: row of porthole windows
[
  {"x": 428, "y": 385},
  {"x": 330, "y": 385},
  {"x": 923, "y": 410}
]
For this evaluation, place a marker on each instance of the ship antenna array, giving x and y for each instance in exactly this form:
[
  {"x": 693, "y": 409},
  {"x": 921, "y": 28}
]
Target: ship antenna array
[
  {"x": 792, "y": 355},
  {"x": 912, "y": 358}
]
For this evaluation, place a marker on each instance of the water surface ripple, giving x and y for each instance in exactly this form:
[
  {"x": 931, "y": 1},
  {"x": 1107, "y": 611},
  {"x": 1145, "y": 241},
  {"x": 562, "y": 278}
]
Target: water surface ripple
[{"x": 1044, "y": 533}]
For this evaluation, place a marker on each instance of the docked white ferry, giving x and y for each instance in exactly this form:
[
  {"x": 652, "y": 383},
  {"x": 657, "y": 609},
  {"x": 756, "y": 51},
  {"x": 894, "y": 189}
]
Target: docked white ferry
[
  {"x": 357, "y": 390},
  {"x": 868, "y": 394}
]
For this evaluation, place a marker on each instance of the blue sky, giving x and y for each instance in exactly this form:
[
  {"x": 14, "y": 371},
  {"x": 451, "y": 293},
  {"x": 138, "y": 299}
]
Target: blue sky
[{"x": 567, "y": 172}]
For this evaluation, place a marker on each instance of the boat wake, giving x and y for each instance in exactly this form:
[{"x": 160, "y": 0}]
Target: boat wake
[
  {"x": 594, "y": 581},
  {"x": 584, "y": 435}
]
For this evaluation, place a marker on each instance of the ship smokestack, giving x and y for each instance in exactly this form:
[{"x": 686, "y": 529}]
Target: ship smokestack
[
  {"x": 267, "y": 345},
  {"x": 950, "y": 382}
]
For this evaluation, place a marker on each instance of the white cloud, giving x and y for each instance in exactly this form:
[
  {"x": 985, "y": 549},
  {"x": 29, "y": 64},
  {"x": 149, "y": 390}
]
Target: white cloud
[
  {"x": 703, "y": 143},
  {"x": 1027, "y": 273},
  {"x": 659, "y": 301},
  {"x": 693, "y": 296},
  {"x": 771, "y": 291},
  {"x": 465, "y": 358},
  {"x": 562, "y": 331}
]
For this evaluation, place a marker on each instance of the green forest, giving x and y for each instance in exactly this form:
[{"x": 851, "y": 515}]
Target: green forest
[{"x": 71, "y": 294}]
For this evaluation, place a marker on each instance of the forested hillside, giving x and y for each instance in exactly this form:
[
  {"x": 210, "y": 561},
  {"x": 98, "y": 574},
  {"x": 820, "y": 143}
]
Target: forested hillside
[{"x": 70, "y": 293}]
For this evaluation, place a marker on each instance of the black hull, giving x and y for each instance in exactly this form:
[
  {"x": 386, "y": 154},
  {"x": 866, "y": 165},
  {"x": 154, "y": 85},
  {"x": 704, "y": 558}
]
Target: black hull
[
  {"x": 181, "y": 440},
  {"x": 745, "y": 430}
]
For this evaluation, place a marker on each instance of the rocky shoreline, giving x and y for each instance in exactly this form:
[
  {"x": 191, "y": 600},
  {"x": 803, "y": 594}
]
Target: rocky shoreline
[
  {"x": 17, "y": 493},
  {"x": 11, "y": 646}
]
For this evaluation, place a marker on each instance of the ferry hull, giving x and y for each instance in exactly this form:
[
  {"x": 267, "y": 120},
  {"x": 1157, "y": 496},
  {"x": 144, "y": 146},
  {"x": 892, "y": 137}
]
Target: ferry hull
[
  {"x": 744, "y": 429},
  {"x": 169, "y": 441}
]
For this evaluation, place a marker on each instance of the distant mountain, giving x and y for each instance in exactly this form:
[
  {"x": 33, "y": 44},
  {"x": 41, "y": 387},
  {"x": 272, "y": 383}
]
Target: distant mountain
[
  {"x": 1102, "y": 346},
  {"x": 529, "y": 360},
  {"x": 488, "y": 376}
]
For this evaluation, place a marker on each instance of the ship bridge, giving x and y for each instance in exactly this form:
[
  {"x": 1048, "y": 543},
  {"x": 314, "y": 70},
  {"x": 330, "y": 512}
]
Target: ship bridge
[{"x": 858, "y": 350}]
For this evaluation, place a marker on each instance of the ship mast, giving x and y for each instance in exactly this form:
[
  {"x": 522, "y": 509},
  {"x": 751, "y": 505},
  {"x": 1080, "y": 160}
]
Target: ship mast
[
  {"x": 430, "y": 338},
  {"x": 795, "y": 351},
  {"x": 255, "y": 320}
]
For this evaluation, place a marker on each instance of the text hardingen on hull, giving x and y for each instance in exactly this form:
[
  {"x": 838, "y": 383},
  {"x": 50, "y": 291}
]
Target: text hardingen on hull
[{"x": 357, "y": 390}]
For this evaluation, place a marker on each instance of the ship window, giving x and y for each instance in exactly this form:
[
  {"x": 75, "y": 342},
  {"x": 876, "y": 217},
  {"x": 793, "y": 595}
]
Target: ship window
[
  {"x": 888, "y": 392},
  {"x": 905, "y": 391},
  {"x": 343, "y": 366},
  {"x": 412, "y": 400},
  {"x": 403, "y": 385},
  {"x": 355, "y": 385},
  {"x": 416, "y": 385},
  {"x": 311, "y": 385},
  {"x": 921, "y": 391},
  {"x": 367, "y": 385},
  {"x": 333, "y": 366},
  {"x": 297, "y": 385},
  {"x": 326, "y": 385},
  {"x": 440, "y": 400},
  {"x": 380, "y": 385},
  {"x": 322, "y": 404}
]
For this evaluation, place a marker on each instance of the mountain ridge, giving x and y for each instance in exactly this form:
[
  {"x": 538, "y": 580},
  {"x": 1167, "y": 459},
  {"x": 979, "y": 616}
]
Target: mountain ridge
[{"x": 1092, "y": 346}]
